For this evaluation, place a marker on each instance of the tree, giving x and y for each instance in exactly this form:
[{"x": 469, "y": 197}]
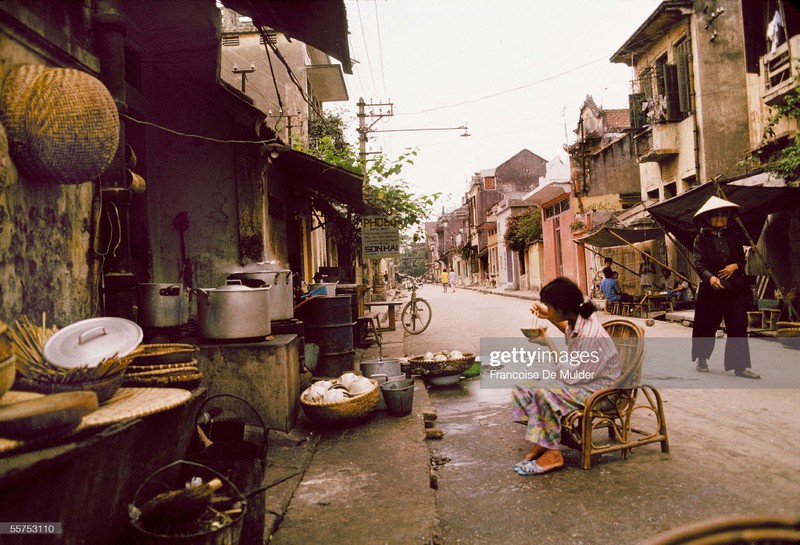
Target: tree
[
  {"x": 386, "y": 193},
  {"x": 524, "y": 229}
]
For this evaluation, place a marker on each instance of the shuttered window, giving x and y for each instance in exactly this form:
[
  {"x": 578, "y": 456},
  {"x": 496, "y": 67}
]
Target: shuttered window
[
  {"x": 670, "y": 78},
  {"x": 635, "y": 110},
  {"x": 682, "y": 57}
]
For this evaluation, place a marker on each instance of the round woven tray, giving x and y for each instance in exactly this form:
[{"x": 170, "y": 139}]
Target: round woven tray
[
  {"x": 62, "y": 123},
  {"x": 166, "y": 353},
  {"x": 789, "y": 337},
  {"x": 348, "y": 411},
  {"x": 105, "y": 388},
  {"x": 430, "y": 369},
  {"x": 188, "y": 380},
  {"x": 164, "y": 368}
]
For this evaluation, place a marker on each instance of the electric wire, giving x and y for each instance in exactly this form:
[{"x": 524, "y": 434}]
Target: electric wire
[
  {"x": 380, "y": 48},
  {"x": 366, "y": 49},
  {"x": 199, "y": 136}
]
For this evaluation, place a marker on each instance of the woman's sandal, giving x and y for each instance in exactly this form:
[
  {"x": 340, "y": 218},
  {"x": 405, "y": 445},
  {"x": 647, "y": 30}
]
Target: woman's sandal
[{"x": 531, "y": 467}]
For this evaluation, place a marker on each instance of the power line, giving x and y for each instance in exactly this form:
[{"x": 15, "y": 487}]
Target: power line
[
  {"x": 366, "y": 49},
  {"x": 380, "y": 48}
]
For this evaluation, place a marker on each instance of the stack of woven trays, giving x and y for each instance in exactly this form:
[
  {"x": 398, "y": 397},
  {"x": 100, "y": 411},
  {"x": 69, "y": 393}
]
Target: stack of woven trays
[
  {"x": 168, "y": 365},
  {"x": 789, "y": 334}
]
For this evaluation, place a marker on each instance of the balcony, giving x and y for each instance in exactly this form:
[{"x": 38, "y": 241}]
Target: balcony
[
  {"x": 658, "y": 143},
  {"x": 779, "y": 73}
]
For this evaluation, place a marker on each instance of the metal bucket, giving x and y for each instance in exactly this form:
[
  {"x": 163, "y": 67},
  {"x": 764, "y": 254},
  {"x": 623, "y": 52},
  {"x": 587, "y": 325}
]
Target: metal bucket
[
  {"x": 381, "y": 379},
  {"x": 399, "y": 396},
  {"x": 328, "y": 324}
]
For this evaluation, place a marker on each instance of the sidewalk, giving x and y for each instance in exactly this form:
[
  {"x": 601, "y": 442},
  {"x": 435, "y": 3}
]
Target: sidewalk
[{"x": 347, "y": 475}]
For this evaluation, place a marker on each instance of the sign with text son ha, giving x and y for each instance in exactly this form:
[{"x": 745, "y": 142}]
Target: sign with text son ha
[{"x": 380, "y": 237}]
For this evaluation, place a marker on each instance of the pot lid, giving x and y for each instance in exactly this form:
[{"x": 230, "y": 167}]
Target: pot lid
[
  {"x": 237, "y": 287},
  {"x": 88, "y": 342}
]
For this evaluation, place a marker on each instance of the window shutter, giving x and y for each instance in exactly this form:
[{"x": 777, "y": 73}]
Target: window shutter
[
  {"x": 684, "y": 85},
  {"x": 635, "y": 101},
  {"x": 670, "y": 72}
]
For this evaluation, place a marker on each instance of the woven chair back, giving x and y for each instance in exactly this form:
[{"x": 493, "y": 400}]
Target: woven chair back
[{"x": 629, "y": 340}]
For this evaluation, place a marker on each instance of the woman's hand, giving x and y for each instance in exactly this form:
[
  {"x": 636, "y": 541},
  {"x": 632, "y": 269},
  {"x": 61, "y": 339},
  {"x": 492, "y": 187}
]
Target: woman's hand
[
  {"x": 728, "y": 271},
  {"x": 716, "y": 283},
  {"x": 541, "y": 310}
]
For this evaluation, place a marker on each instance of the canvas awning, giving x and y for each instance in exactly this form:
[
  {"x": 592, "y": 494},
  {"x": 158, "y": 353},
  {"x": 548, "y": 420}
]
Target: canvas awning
[
  {"x": 299, "y": 168},
  {"x": 608, "y": 237},
  {"x": 757, "y": 202},
  {"x": 322, "y": 24}
]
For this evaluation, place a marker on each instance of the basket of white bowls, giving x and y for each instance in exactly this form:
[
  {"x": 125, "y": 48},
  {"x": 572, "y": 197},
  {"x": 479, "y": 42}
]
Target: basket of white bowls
[{"x": 348, "y": 399}]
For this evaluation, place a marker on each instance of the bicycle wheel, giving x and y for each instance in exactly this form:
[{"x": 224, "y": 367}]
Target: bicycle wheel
[{"x": 416, "y": 316}]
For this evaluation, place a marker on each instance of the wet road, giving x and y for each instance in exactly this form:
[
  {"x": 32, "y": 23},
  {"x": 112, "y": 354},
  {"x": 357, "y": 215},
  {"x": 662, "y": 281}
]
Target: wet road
[{"x": 733, "y": 450}]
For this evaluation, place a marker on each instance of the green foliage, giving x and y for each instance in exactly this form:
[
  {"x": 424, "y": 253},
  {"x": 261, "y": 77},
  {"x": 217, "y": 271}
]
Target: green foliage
[
  {"x": 413, "y": 261},
  {"x": 386, "y": 193},
  {"x": 524, "y": 229}
]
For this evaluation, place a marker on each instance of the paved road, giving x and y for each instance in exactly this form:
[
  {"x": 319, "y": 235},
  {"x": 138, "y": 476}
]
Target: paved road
[{"x": 734, "y": 443}]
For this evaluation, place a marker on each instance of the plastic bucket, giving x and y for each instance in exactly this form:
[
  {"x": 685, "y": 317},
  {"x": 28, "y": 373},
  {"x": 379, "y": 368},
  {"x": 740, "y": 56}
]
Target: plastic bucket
[{"x": 399, "y": 396}]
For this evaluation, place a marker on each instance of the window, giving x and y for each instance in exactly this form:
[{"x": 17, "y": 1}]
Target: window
[
  {"x": 683, "y": 55},
  {"x": 670, "y": 190},
  {"x": 231, "y": 40},
  {"x": 556, "y": 209},
  {"x": 272, "y": 36},
  {"x": 488, "y": 183}
]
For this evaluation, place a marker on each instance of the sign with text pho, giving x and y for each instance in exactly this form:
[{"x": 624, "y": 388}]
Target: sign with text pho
[{"x": 380, "y": 237}]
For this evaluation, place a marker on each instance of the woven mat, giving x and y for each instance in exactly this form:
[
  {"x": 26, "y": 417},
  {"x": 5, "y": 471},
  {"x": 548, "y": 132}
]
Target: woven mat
[{"x": 127, "y": 404}]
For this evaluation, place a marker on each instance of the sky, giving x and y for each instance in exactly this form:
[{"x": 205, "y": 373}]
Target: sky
[{"x": 515, "y": 72}]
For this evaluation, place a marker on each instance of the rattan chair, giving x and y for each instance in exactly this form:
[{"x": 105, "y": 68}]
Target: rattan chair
[
  {"x": 612, "y": 409},
  {"x": 738, "y": 530}
]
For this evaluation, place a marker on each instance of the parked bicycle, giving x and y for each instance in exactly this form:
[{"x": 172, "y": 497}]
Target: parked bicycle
[{"x": 416, "y": 314}]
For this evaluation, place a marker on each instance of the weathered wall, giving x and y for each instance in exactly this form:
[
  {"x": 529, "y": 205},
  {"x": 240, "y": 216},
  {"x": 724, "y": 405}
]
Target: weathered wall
[
  {"x": 46, "y": 230},
  {"x": 721, "y": 92},
  {"x": 520, "y": 173},
  {"x": 614, "y": 170}
]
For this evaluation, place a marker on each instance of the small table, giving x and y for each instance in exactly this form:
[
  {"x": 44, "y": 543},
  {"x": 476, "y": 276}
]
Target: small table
[{"x": 392, "y": 306}]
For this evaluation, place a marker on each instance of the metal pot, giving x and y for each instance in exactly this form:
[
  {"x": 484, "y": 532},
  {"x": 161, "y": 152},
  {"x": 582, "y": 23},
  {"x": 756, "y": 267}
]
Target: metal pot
[
  {"x": 281, "y": 294},
  {"x": 387, "y": 366},
  {"x": 163, "y": 305},
  {"x": 233, "y": 311}
]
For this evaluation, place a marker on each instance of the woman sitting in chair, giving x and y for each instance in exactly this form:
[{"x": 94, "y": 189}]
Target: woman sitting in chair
[{"x": 542, "y": 404}]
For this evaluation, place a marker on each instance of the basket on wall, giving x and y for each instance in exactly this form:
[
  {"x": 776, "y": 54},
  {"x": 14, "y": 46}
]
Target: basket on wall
[
  {"x": 62, "y": 124},
  {"x": 8, "y": 172}
]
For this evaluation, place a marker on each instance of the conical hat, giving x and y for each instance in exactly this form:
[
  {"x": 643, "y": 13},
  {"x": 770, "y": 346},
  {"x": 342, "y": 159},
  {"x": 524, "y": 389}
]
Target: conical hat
[{"x": 715, "y": 203}]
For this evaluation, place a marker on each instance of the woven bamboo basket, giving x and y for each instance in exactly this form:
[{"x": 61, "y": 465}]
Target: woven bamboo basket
[
  {"x": 789, "y": 337},
  {"x": 418, "y": 365},
  {"x": 8, "y": 172},
  {"x": 104, "y": 387},
  {"x": 8, "y": 371},
  {"x": 62, "y": 124},
  {"x": 341, "y": 413}
]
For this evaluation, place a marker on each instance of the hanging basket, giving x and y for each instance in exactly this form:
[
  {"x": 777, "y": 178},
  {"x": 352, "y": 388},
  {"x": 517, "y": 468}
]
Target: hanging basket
[{"x": 62, "y": 124}]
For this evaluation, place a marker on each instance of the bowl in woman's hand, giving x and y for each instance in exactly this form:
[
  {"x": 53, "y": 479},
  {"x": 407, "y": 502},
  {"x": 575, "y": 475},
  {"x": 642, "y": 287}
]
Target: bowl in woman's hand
[{"x": 533, "y": 332}]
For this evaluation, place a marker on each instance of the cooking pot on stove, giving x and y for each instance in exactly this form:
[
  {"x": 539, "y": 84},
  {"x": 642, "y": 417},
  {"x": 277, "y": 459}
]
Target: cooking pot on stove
[
  {"x": 233, "y": 311},
  {"x": 163, "y": 305},
  {"x": 281, "y": 293}
]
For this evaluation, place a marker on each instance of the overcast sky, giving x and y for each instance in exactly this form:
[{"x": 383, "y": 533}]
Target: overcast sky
[{"x": 516, "y": 72}]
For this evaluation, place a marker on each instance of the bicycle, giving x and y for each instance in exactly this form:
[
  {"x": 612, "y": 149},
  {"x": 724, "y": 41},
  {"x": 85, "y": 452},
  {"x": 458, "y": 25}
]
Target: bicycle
[{"x": 416, "y": 314}]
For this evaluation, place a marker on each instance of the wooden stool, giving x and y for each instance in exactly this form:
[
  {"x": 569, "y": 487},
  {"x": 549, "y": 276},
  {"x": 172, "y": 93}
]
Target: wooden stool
[{"x": 754, "y": 319}]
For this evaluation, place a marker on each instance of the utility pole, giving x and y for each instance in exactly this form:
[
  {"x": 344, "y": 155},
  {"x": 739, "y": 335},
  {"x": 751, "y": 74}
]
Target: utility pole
[
  {"x": 244, "y": 73},
  {"x": 364, "y": 129}
]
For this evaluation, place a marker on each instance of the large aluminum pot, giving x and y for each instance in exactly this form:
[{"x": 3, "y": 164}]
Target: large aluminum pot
[
  {"x": 233, "y": 311},
  {"x": 386, "y": 366},
  {"x": 163, "y": 305},
  {"x": 281, "y": 294}
]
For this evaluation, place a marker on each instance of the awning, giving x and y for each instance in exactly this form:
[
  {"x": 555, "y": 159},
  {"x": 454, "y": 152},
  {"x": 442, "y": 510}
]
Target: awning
[
  {"x": 609, "y": 237},
  {"x": 335, "y": 182},
  {"x": 328, "y": 82},
  {"x": 757, "y": 202},
  {"x": 322, "y": 24}
]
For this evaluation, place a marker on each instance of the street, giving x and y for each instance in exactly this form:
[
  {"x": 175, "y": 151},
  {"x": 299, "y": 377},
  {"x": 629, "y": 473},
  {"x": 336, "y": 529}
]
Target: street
[{"x": 733, "y": 442}]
